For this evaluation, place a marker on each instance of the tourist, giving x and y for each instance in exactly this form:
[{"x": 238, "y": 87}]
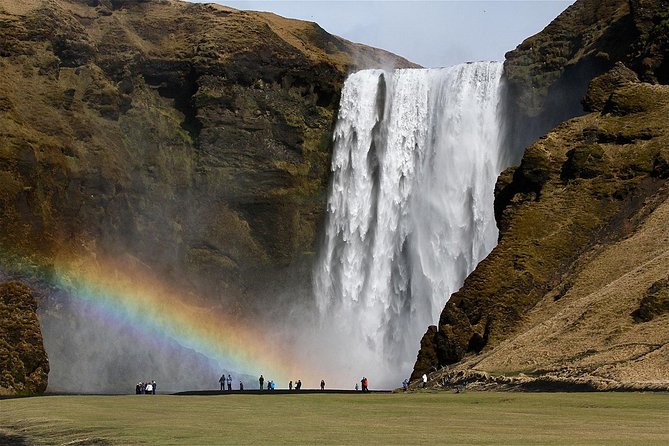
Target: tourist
[
  {"x": 298, "y": 385},
  {"x": 153, "y": 383},
  {"x": 322, "y": 384},
  {"x": 229, "y": 382},
  {"x": 138, "y": 388},
  {"x": 424, "y": 380},
  {"x": 290, "y": 385},
  {"x": 405, "y": 384},
  {"x": 261, "y": 380},
  {"x": 221, "y": 381},
  {"x": 356, "y": 387},
  {"x": 269, "y": 385},
  {"x": 149, "y": 389},
  {"x": 364, "y": 383},
  {"x": 241, "y": 385}
]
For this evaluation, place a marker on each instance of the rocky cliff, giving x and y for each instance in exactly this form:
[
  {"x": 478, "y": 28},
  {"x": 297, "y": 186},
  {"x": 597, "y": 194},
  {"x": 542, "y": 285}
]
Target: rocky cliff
[
  {"x": 583, "y": 250},
  {"x": 549, "y": 73},
  {"x": 194, "y": 138},
  {"x": 24, "y": 367},
  {"x": 188, "y": 143}
]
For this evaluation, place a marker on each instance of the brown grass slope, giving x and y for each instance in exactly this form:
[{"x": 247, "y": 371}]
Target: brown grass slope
[
  {"x": 194, "y": 138},
  {"x": 576, "y": 291}
]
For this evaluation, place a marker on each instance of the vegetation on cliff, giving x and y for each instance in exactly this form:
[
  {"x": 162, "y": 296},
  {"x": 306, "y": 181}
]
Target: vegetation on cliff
[{"x": 24, "y": 367}]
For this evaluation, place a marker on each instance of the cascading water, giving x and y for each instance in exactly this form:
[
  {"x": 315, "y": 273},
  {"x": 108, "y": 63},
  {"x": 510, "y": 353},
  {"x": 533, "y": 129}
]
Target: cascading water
[{"x": 410, "y": 211}]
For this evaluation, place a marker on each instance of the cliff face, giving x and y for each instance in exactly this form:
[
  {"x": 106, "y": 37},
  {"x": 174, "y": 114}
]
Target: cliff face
[
  {"x": 583, "y": 236},
  {"x": 548, "y": 73},
  {"x": 195, "y": 138},
  {"x": 24, "y": 367}
]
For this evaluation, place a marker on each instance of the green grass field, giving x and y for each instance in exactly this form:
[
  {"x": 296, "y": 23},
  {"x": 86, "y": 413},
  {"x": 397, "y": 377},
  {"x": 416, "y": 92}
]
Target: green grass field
[{"x": 417, "y": 418}]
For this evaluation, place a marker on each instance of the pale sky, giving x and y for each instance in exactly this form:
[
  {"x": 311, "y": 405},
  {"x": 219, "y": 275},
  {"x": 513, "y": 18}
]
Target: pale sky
[{"x": 430, "y": 33}]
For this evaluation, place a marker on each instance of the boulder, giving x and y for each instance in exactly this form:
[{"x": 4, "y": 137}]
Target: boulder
[{"x": 603, "y": 86}]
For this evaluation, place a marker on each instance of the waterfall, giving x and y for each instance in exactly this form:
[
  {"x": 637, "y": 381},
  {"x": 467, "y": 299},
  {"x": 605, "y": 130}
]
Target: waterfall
[{"x": 410, "y": 210}]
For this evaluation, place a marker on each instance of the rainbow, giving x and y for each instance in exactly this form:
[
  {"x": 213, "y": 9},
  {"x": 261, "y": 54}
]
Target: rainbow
[{"x": 126, "y": 291}]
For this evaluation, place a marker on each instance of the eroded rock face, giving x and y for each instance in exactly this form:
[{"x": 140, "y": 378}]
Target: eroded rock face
[{"x": 24, "y": 366}]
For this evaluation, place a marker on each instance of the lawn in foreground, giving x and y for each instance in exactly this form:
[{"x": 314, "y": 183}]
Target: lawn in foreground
[{"x": 417, "y": 418}]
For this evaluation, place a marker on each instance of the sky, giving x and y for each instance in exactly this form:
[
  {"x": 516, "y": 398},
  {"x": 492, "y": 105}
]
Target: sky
[{"x": 430, "y": 33}]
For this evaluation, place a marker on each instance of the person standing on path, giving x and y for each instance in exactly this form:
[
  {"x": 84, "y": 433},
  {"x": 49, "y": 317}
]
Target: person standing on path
[
  {"x": 229, "y": 382},
  {"x": 261, "y": 380},
  {"x": 424, "y": 380},
  {"x": 322, "y": 384},
  {"x": 221, "y": 381}
]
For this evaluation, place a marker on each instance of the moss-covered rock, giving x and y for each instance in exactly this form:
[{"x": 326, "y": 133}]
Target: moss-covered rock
[
  {"x": 24, "y": 366},
  {"x": 601, "y": 87},
  {"x": 654, "y": 303},
  {"x": 584, "y": 161},
  {"x": 427, "y": 360}
]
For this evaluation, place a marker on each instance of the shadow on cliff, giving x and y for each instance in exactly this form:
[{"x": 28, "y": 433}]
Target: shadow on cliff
[{"x": 8, "y": 439}]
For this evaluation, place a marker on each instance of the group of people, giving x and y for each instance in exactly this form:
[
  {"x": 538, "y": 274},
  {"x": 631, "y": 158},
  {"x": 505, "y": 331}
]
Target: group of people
[
  {"x": 298, "y": 385},
  {"x": 150, "y": 387},
  {"x": 223, "y": 381},
  {"x": 146, "y": 388}
]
